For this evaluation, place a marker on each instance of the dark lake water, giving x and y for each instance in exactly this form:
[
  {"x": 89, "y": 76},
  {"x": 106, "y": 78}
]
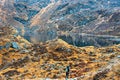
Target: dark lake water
[{"x": 89, "y": 40}]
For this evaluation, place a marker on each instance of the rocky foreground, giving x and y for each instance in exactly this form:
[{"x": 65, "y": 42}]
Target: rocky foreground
[{"x": 22, "y": 60}]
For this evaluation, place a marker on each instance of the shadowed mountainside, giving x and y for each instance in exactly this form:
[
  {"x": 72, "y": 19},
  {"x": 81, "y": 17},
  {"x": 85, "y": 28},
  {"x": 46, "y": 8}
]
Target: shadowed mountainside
[{"x": 64, "y": 19}]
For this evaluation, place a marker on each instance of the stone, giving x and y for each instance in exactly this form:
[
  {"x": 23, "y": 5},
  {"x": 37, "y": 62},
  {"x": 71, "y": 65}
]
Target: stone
[
  {"x": 60, "y": 49},
  {"x": 15, "y": 45},
  {"x": 110, "y": 50},
  {"x": 24, "y": 51},
  {"x": 8, "y": 45},
  {"x": 69, "y": 50},
  {"x": 118, "y": 56},
  {"x": 1, "y": 47},
  {"x": 92, "y": 54}
]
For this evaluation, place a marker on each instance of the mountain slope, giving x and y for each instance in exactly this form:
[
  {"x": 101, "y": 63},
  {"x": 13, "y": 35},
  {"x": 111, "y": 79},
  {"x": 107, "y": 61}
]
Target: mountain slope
[
  {"x": 65, "y": 19},
  {"x": 49, "y": 60}
]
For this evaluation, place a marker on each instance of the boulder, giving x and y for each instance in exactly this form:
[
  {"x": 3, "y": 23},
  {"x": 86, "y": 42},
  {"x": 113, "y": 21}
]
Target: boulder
[
  {"x": 8, "y": 45},
  {"x": 118, "y": 56},
  {"x": 1, "y": 47},
  {"x": 15, "y": 45}
]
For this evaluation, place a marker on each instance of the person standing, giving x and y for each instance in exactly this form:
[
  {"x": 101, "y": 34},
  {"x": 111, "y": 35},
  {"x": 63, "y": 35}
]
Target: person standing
[{"x": 67, "y": 72}]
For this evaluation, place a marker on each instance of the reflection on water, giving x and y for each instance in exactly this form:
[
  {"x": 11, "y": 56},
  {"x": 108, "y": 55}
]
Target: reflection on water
[{"x": 87, "y": 40}]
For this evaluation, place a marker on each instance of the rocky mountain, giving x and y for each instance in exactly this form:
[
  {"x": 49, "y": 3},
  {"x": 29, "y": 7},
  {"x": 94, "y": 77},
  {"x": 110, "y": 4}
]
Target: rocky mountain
[
  {"x": 79, "y": 22},
  {"x": 41, "y": 39}
]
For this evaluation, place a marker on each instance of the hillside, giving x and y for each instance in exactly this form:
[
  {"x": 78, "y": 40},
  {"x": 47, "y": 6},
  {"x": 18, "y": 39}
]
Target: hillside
[
  {"x": 39, "y": 39},
  {"x": 25, "y": 60}
]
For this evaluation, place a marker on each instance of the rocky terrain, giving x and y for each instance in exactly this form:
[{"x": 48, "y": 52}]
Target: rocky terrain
[
  {"x": 22, "y": 60},
  {"x": 79, "y": 22},
  {"x": 40, "y": 38}
]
